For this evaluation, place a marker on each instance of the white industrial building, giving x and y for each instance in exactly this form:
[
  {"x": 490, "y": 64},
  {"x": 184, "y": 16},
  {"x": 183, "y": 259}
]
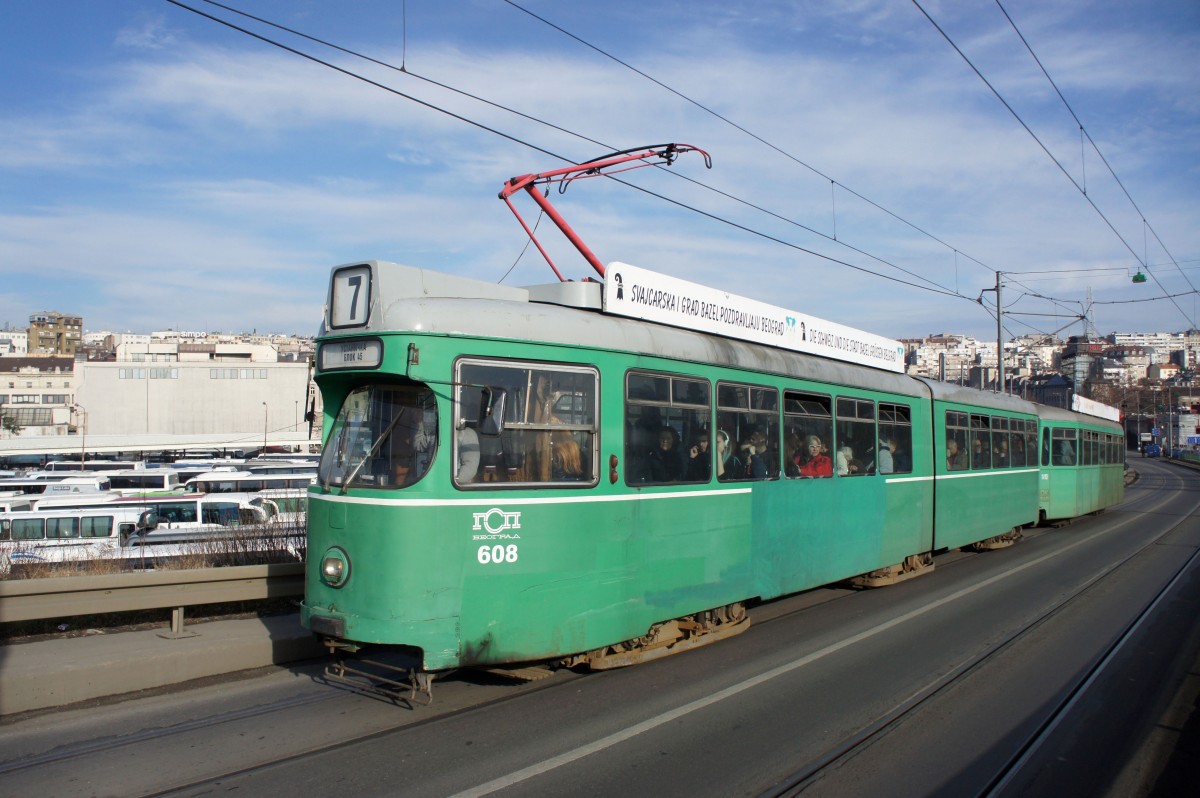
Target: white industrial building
[{"x": 161, "y": 388}]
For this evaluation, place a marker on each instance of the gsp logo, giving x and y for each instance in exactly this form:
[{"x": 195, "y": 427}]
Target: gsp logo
[{"x": 495, "y": 521}]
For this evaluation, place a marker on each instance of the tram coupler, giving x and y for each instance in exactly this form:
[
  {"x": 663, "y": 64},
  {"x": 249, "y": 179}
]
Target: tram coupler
[{"x": 378, "y": 678}]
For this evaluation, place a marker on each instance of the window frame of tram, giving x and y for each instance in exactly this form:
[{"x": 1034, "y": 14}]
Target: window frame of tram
[
  {"x": 980, "y": 426},
  {"x": 1059, "y": 436},
  {"x": 1000, "y": 450},
  {"x": 958, "y": 429},
  {"x": 549, "y": 433},
  {"x": 749, "y": 415},
  {"x": 852, "y": 417},
  {"x": 1031, "y": 440},
  {"x": 661, "y": 406},
  {"x": 806, "y": 415},
  {"x": 375, "y": 443},
  {"x": 1016, "y": 442},
  {"x": 895, "y": 426}
]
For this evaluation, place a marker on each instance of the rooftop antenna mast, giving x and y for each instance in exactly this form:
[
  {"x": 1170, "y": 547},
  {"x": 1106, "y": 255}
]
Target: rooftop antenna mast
[{"x": 664, "y": 154}]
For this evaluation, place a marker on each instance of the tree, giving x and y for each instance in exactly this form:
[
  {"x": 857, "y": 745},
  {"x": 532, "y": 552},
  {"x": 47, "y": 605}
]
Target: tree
[{"x": 9, "y": 424}]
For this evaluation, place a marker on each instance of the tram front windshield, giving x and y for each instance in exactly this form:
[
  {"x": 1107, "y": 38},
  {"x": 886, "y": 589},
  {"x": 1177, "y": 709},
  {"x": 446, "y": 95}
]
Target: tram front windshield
[{"x": 384, "y": 436}]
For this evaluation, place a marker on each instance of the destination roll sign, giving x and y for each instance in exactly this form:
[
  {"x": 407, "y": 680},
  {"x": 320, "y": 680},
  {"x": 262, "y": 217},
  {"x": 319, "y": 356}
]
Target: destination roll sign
[{"x": 640, "y": 294}]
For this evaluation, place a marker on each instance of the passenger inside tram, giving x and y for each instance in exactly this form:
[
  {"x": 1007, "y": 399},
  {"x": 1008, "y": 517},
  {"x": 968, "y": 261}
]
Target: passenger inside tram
[
  {"x": 468, "y": 455},
  {"x": 981, "y": 456},
  {"x": 817, "y": 462},
  {"x": 729, "y": 465},
  {"x": 665, "y": 461},
  {"x": 887, "y": 449},
  {"x": 955, "y": 460},
  {"x": 756, "y": 456},
  {"x": 700, "y": 459},
  {"x": 567, "y": 458}
]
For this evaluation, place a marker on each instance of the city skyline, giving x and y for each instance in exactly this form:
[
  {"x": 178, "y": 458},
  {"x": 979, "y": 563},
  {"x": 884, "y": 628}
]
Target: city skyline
[{"x": 162, "y": 171}]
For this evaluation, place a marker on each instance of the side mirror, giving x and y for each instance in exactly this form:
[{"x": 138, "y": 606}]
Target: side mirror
[
  {"x": 491, "y": 411},
  {"x": 147, "y": 521}
]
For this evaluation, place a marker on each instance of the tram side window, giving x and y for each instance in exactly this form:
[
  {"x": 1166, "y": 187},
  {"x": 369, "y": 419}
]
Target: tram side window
[
  {"x": 857, "y": 443},
  {"x": 956, "y": 441},
  {"x": 1045, "y": 446},
  {"x": 1016, "y": 441},
  {"x": 667, "y": 418},
  {"x": 549, "y": 426},
  {"x": 1000, "y": 450},
  {"x": 895, "y": 439},
  {"x": 981, "y": 450},
  {"x": 807, "y": 434},
  {"x": 384, "y": 436},
  {"x": 1105, "y": 447},
  {"x": 749, "y": 416},
  {"x": 1065, "y": 446}
]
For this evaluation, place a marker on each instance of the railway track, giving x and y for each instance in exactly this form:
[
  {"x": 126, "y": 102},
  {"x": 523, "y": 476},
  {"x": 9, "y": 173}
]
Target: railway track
[
  {"x": 802, "y": 779},
  {"x": 1026, "y": 750}
]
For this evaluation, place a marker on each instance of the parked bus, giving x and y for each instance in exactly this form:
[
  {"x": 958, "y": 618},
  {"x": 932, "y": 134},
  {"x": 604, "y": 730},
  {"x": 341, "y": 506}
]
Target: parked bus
[
  {"x": 65, "y": 535},
  {"x": 56, "y": 484},
  {"x": 180, "y": 511},
  {"x": 145, "y": 482},
  {"x": 94, "y": 465},
  {"x": 247, "y": 482},
  {"x": 139, "y": 534},
  {"x": 287, "y": 507},
  {"x": 12, "y": 501}
]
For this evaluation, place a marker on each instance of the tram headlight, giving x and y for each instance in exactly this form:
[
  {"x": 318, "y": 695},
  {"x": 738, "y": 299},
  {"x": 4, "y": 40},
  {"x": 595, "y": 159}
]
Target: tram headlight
[{"x": 335, "y": 568}]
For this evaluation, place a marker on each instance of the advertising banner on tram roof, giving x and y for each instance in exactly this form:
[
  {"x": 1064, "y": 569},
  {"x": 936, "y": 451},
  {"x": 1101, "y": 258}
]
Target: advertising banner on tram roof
[{"x": 641, "y": 294}]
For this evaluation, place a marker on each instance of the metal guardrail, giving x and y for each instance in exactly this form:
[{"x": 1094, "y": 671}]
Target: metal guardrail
[{"x": 64, "y": 596}]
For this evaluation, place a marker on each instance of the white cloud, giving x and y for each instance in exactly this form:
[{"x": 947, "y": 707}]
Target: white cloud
[{"x": 251, "y": 172}]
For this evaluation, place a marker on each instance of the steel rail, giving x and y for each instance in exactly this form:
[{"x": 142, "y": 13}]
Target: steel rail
[{"x": 805, "y": 776}]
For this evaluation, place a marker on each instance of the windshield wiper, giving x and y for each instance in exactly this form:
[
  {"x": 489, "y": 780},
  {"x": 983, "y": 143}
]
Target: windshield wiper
[{"x": 383, "y": 436}]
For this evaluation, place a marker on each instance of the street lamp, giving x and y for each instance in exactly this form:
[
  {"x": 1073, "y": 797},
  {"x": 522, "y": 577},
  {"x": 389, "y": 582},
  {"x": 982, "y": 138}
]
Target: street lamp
[
  {"x": 83, "y": 436},
  {"x": 264, "y": 449}
]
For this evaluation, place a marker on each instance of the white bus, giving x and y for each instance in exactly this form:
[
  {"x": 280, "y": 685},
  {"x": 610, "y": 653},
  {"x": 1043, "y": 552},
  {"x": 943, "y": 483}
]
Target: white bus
[
  {"x": 56, "y": 484},
  {"x": 141, "y": 533},
  {"x": 180, "y": 511},
  {"x": 62, "y": 536},
  {"x": 94, "y": 465},
  {"x": 247, "y": 482},
  {"x": 12, "y": 501},
  {"x": 288, "y": 507},
  {"x": 145, "y": 482}
]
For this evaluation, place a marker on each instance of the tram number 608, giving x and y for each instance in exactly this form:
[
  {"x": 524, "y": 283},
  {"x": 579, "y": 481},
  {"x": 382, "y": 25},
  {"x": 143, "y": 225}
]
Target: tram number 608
[{"x": 497, "y": 554}]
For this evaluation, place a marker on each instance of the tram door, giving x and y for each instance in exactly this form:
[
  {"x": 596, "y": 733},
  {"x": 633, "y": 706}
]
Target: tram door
[{"x": 1044, "y": 476}]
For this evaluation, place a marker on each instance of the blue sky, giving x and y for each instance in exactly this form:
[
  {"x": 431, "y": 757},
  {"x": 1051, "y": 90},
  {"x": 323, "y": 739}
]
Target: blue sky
[{"x": 158, "y": 170}]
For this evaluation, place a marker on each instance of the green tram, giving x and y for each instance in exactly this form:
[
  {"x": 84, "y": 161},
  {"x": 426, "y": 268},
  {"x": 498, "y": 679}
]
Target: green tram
[
  {"x": 511, "y": 475},
  {"x": 1082, "y": 464}
]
